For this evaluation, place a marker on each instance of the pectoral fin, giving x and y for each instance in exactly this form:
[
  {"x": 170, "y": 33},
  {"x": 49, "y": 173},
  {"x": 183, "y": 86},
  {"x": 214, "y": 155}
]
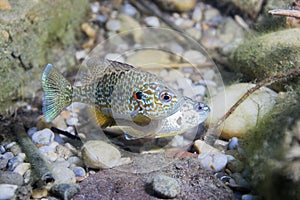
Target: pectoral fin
[
  {"x": 141, "y": 119},
  {"x": 100, "y": 118}
]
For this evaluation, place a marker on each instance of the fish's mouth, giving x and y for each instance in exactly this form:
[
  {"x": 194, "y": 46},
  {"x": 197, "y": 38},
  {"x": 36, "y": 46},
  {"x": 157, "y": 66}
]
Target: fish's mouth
[{"x": 201, "y": 107}]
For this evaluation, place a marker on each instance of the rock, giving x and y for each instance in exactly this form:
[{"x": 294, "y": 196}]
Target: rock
[
  {"x": 39, "y": 193},
  {"x": 15, "y": 149},
  {"x": 79, "y": 171},
  {"x": 129, "y": 9},
  {"x": 45, "y": 136},
  {"x": 176, "y": 48},
  {"x": 49, "y": 153},
  {"x": 9, "y": 145},
  {"x": 22, "y": 168},
  {"x": 98, "y": 154},
  {"x": 210, "y": 13},
  {"x": 247, "y": 114},
  {"x": 72, "y": 121},
  {"x": 233, "y": 143},
  {"x": 221, "y": 145},
  {"x": 63, "y": 174},
  {"x": 197, "y": 14},
  {"x": 144, "y": 58},
  {"x": 21, "y": 157},
  {"x": 177, "y": 5},
  {"x": 65, "y": 191},
  {"x": 13, "y": 163},
  {"x": 165, "y": 186},
  {"x": 113, "y": 25},
  {"x": 152, "y": 21},
  {"x": 73, "y": 160},
  {"x": 7, "y": 191},
  {"x": 63, "y": 152},
  {"x": 213, "y": 161},
  {"x": 194, "y": 32},
  {"x": 235, "y": 165},
  {"x": 7, "y": 177},
  {"x": 32, "y": 18},
  {"x": 202, "y": 147},
  {"x": 130, "y": 26},
  {"x": 194, "y": 57},
  {"x": 2, "y": 149}
]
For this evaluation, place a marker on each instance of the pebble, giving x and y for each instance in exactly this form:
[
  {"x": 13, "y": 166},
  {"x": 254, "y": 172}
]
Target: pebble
[
  {"x": 45, "y": 136},
  {"x": 165, "y": 187},
  {"x": 72, "y": 121},
  {"x": 202, "y": 147},
  {"x": 213, "y": 161},
  {"x": 128, "y": 9},
  {"x": 21, "y": 157},
  {"x": 7, "y": 191},
  {"x": 31, "y": 131},
  {"x": 240, "y": 180},
  {"x": 210, "y": 13},
  {"x": 177, "y": 5},
  {"x": 95, "y": 7},
  {"x": 9, "y": 145},
  {"x": 113, "y": 25},
  {"x": 8, "y": 177},
  {"x": 194, "y": 57},
  {"x": 233, "y": 143},
  {"x": 152, "y": 21},
  {"x": 235, "y": 165},
  {"x": 49, "y": 153},
  {"x": 63, "y": 152},
  {"x": 39, "y": 193},
  {"x": 2, "y": 149},
  {"x": 79, "y": 171},
  {"x": 194, "y": 32},
  {"x": 250, "y": 197},
  {"x": 175, "y": 48},
  {"x": 74, "y": 160},
  {"x": 63, "y": 174},
  {"x": 13, "y": 163},
  {"x": 98, "y": 154},
  {"x": 22, "y": 168},
  {"x": 65, "y": 191},
  {"x": 247, "y": 114},
  {"x": 197, "y": 14}
]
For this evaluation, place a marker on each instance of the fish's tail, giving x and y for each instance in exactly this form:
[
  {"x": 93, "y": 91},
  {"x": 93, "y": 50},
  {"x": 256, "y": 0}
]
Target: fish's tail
[{"x": 57, "y": 92}]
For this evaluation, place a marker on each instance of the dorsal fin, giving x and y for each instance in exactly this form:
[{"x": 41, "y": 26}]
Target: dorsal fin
[{"x": 97, "y": 67}]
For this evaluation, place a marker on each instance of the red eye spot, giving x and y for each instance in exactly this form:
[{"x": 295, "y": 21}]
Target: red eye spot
[{"x": 165, "y": 97}]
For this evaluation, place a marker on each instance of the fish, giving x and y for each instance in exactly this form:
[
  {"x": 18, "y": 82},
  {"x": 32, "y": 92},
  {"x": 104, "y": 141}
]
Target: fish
[
  {"x": 190, "y": 115},
  {"x": 114, "y": 91}
]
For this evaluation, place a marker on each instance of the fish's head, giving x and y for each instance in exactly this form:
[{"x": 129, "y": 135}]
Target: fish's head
[{"x": 156, "y": 100}]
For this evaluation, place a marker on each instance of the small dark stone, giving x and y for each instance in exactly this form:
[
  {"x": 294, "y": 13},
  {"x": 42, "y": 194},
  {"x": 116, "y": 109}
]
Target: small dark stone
[{"x": 65, "y": 191}]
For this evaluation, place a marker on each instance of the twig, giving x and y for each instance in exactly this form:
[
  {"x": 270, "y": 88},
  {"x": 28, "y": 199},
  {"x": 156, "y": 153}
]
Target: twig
[
  {"x": 265, "y": 82},
  {"x": 287, "y": 13},
  {"x": 176, "y": 65}
]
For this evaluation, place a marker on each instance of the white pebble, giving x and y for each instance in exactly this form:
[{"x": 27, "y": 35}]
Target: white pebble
[
  {"x": 22, "y": 168},
  {"x": 233, "y": 143},
  {"x": 128, "y": 9},
  {"x": 213, "y": 161},
  {"x": 197, "y": 14},
  {"x": 7, "y": 191},
  {"x": 9, "y": 145},
  {"x": 72, "y": 121},
  {"x": 45, "y": 136},
  {"x": 152, "y": 21},
  {"x": 31, "y": 131},
  {"x": 194, "y": 57},
  {"x": 113, "y": 25}
]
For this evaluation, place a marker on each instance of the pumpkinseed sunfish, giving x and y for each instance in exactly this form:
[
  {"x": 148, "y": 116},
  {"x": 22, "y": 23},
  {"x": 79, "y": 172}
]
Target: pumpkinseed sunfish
[{"x": 114, "y": 91}]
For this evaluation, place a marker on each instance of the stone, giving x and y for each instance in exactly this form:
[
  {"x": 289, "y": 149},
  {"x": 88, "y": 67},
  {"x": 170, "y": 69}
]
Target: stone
[
  {"x": 129, "y": 9},
  {"x": 113, "y": 25},
  {"x": 39, "y": 193},
  {"x": 79, "y": 171},
  {"x": 131, "y": 26},
  {"x": 197, "y": 14},
  {"x": 63, "y": 174},
  {"x": 177, "y": 5},
  {"x": 235, "y": 165},
  {"x": 2, "y": 149},
  {"x": 7, "y": 191},
  {"x": 165, "y": 186},
  {"x": 31, "y": 18},
  {"x": 213, "y": 161},
  {"x": 21, "y": 157},
  {"x": 9, "y": 145},
  {"x": 250, "y": 197},
  {"x": 210, "y": 13},
  {"x": 194, "y": 57},
  {"x": 202, "y": 147},
  {"x": 194, "y": 32},
  {"x": 22, "y": 168},
  {"x": 233, "y": 143},
  {"x": 45, "y": 137},
  {"x": 63, "y": 152},
  {"x": 65, "y": 191},
  {"x": 8, "y": 177},
  {"x": 72, "y": 121},
  {"x": 98, "y": 154},
  {"x": 144, "y": 58},
  {"x": 74, "y": 160},
  {"x": 152, "y": 21},
  {"x": 13, "y": 163},
  {"x": 49, "y": 153},
  {"x": 247, "y": 114}
]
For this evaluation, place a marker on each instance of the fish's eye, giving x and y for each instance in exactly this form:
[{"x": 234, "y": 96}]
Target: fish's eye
[
  {"x": 138, "y": 95},
  {"x": 165, "y": 97}
]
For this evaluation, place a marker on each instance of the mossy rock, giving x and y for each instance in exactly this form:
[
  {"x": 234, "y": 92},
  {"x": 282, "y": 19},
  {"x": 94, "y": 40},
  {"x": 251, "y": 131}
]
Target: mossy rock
[
  {"x": 267, "y": 55},
  {"x": 273, "y": 150},
  {"x": 32, "y": 34}
]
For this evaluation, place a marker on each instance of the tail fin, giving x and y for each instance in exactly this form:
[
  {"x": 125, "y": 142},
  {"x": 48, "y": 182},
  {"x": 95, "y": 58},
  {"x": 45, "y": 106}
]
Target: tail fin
[{"x": 57, "y": 92}]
